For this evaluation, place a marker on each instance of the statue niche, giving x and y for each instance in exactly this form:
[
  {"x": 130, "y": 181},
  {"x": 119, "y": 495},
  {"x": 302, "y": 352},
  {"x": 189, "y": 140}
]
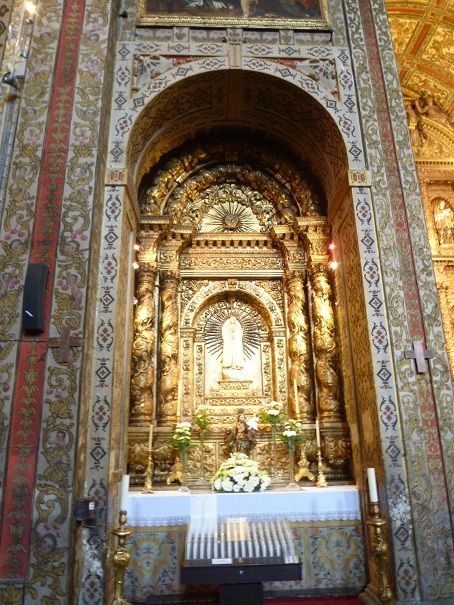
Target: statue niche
[
  {"x": 232, "y": 347},
  {"x": 233, "y": 334}
]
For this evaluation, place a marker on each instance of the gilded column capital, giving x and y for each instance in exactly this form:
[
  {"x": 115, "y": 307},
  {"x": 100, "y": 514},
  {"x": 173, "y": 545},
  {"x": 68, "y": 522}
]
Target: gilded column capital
[
  {"x": 294, "y": 247},
  {"x": 176, "y": 238},
  {"x": 317, "y": 231}
]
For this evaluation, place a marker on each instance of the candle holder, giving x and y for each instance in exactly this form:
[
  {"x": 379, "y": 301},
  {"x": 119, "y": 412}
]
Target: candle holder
[
  {"x": 321, "y": 478},
  {"x": 121, "y": 560},
  {"x": 379, "y": 552},
  {"x": 148, "y": 485}
]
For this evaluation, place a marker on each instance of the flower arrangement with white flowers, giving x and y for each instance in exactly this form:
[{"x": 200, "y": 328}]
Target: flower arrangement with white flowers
[
  {"x": 273, "y": 414},
  {"x": 292, "y": 434},
  {"x": 240, "y": 474},
  {"x": 181, "y": 438}
]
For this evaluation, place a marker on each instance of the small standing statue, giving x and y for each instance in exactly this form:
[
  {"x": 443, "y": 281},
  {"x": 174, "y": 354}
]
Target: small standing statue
[
  {"x": 242, "y": 438},
  {"x": 444, "y": 222}
]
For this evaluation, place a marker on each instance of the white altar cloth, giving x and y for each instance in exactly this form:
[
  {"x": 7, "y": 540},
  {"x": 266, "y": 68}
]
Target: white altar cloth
[{"x": 333, "y": 503}]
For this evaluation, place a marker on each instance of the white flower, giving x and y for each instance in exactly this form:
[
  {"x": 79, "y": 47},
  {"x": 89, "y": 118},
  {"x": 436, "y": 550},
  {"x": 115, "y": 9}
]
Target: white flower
[
  {"x": 227, "y": 485},
  {"x": 273, "y": 412},
  {"x": 239, "y": 474},
  {"x": 289, "y": 433}
]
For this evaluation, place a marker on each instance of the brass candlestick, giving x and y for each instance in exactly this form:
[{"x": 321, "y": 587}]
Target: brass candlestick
[
  {"x": 148, "y": 485},
  {"x": 380, "y": 552},
  {"x": 321, "y": 478},
  {"x": 120, "y": 560}
]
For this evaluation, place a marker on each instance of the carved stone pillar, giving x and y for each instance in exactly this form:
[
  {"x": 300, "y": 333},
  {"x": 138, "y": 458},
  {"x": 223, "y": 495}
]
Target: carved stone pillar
[
  {"x": 298, "y": 349},
  {"x": 143, "y": 374},
  {"x": 324, "y": 341},
  {"x": 168, "y": 396}
]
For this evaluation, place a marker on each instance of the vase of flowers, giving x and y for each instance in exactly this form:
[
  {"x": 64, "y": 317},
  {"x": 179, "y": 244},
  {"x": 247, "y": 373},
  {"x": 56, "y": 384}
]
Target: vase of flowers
[
  {"x": 181, "y": 441},
  {"x": 292, "y": 436},
  {"x": 240, "y": 474},
  {"x": 202, "y": 420},
  {"x": 273, "y": 415}
]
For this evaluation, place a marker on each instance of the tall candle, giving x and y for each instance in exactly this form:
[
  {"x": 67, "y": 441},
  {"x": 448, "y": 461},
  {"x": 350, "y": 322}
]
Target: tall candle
[
  {"x": 150, "y": 437},
  {"x": 372, "y": 482},
  {"x": 297, "y": 403},
  {"x": 317, "y": 432},
  {"x": 124, "y": 492}
]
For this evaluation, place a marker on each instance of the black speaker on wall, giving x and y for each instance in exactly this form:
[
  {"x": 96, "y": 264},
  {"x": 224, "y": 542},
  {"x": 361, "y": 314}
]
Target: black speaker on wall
[{"x": 33, "y": 302}]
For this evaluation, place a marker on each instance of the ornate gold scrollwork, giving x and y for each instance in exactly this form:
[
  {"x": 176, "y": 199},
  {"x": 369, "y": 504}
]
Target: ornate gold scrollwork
[
  {"x": 168, "y": 399},
  {"x": 298, "y": 348},
  {"x": 143, "y": 346},
  {"x": 326, "y": 362}
]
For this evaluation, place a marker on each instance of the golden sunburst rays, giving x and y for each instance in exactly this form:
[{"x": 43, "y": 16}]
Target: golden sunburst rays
[
  {"x": 230, "y": 217},
  {"x": 249, "y": 321}
]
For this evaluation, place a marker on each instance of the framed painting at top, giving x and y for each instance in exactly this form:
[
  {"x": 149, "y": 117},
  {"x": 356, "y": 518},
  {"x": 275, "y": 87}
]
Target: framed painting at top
[{"x": 297, "y": 14}]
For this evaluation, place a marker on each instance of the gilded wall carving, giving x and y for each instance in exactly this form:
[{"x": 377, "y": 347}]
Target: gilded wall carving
[
  {"x": 234, "y": 322},
  {"x": 327, "y": 362},
  {"x": 169, "y": 349},
  {"x": 300, "y": 374},
  {"x": 142, "y": 371}
]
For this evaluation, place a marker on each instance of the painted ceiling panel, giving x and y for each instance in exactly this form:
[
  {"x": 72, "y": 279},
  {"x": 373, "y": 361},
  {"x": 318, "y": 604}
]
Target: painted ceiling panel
[{"x": 423, "y": 37}]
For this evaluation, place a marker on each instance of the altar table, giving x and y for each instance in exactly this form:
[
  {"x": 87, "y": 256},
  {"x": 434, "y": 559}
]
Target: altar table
[
  {"x": 325, "y": 522},
  {"x": 331, "y": 503}
]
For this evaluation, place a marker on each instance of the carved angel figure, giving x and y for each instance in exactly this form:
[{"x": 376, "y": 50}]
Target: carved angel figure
[{"x": 427, "y": 106}]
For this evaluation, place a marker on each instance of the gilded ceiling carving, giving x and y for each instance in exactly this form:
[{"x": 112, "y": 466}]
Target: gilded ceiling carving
[
  {"x": 271, "y": 184},
  {"x": 422, "y": 35}
]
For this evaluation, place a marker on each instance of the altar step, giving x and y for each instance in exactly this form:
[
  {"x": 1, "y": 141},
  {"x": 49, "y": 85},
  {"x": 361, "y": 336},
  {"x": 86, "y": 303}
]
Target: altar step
[{"x": 278, "y": 601}]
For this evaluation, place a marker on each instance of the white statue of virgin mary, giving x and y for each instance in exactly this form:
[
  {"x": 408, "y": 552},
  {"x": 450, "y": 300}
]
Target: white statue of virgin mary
[{"x": 232, "y": 337}]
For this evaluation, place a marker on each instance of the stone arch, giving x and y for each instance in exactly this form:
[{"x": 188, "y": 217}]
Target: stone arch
[
  {"x": 262, "y": 300},
  {"x": 136, "y": 126}
]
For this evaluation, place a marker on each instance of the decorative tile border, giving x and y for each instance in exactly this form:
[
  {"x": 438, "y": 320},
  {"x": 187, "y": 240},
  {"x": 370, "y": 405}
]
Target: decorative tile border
[
  {"x": 332, "y": 558},
  {"x": 397, "y": 257},
  {"x": 14, "y": 248},
  {"x": 419, "y": 241},
  {"x": 76, "y": 245}
]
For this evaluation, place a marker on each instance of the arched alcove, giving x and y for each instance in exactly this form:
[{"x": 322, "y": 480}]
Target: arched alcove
[
  {"x": 284, "y": 105},
  {"x": 205, "y": 153}
]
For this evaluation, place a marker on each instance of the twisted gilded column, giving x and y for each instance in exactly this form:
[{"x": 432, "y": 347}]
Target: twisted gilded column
[
  {"x": 326, "y": 358},
  {"x": 168, "y": 397},
  {"x": 143, "y": 374},
  {"x": 300, "y": 387}
]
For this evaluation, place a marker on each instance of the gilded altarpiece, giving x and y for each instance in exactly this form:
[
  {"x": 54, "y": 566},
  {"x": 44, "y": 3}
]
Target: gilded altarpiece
[{"x": 235, "y": 309}]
